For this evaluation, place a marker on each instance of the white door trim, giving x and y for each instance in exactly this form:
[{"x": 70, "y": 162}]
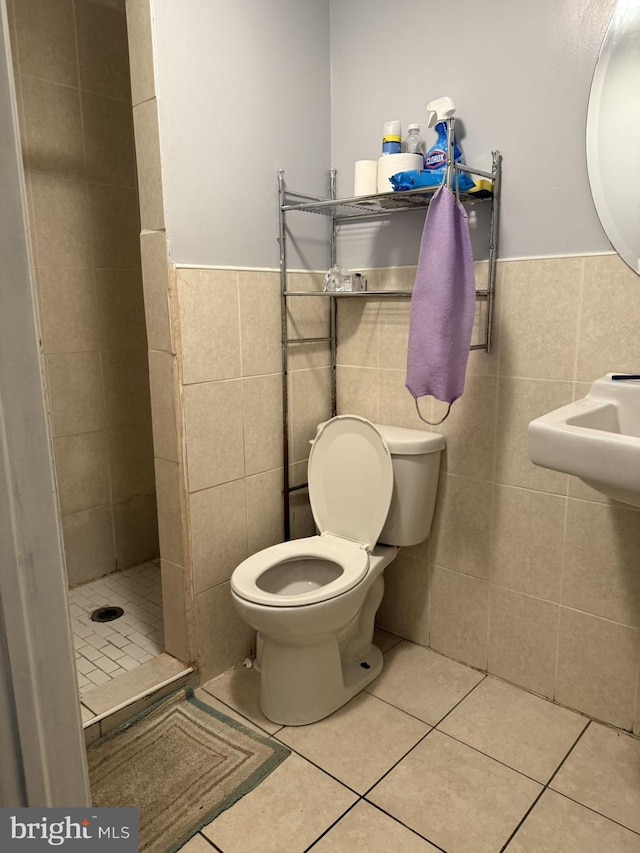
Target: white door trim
[{"x": 40, "y": 716}]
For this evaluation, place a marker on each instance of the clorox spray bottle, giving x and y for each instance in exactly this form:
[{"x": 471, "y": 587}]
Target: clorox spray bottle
[{"x": 435, "y": 161}]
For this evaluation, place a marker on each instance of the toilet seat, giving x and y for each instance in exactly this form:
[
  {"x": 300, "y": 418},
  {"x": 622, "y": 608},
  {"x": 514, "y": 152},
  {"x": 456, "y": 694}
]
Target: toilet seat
[{"x": 350, "y": 489}]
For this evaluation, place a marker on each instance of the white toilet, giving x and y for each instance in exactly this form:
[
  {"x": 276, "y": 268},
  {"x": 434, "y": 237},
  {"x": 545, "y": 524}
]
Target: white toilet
[{"x": 313, "y": 601}]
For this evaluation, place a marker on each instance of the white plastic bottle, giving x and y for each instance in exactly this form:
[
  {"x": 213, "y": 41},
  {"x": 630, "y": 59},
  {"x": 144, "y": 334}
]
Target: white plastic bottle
[{"x": 414, "y": 143}]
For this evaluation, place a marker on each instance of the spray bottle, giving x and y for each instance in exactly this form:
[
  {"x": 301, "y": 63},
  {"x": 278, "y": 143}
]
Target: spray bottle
[{"x": 435, "y": 161}]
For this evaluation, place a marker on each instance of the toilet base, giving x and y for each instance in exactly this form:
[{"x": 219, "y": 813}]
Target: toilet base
[{"x": 297, "y": 694}]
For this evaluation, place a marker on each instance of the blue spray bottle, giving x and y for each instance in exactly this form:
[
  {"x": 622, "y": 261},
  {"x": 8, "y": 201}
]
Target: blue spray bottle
[{"x": 435, "y": 161}]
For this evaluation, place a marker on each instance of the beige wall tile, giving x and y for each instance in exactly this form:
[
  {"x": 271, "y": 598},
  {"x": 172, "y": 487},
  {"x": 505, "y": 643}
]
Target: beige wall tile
[
  {"x": 528, "y": 540},
  {"x": 396, "y": 278},
  {"x": 47, "y": 40},
  {"x": 523, "y": 638},
  {"x": 218, "y": 533},
  {"x": 458, "y": 621},
  {"x": 68, "y": 310},
  {"x": 52, "y": 142},
  {"x": 108, "y": 139},
  {"x": 163, "y": 405},
  {"x": 396, "y": 406},
  {"x": 393, "y": 334},
  {"x": 610, "y": 317},
  {"x": 311, "y": 404},
  {"x": 461, "y": 534},
  {"x": 357, "y": 392},
  {"x": 308, "y": 317},
  {"x": 597, "y": 666},
  {"x": 519, "y": 402},
  {"x": 470, "y": 429},
  {"x": 260, "y": 332},
  {"x": 262, "y": 419},
  {"x": 168, "y": 494},
  {"x": 131, "y": 462},
  {"x": 536, "y": 295},
  {"x": 357, "y": 332},
  {"x": 61, "y": 216},
  {"x": 155, "y": 277},
  {"x": 601, "y": 562},
  {"x": 140, "y": 33},
  {"x": 120, "y": 303},
  {"x": 126, "y": 387},
  {"x": 209, "y": 325},
  {"x": 89, "y": 545},
  {"x": 82, "y": 471},
  {"x": 213, "y": 433},
  {"x": 145, "y": 120},
  {"x": 404, "y": 609},
  {"x": 136, "y": 530},
  {"x": 103, "y": 51},
  {"x": 302, "y": 522},
  {"x": 223, "y": 639},
  {"x": 175, "y": 608},
  {"x": 74, "y": 382},
  {"x": 115, "y": 224},
  {"x": 264, "y": 510}
]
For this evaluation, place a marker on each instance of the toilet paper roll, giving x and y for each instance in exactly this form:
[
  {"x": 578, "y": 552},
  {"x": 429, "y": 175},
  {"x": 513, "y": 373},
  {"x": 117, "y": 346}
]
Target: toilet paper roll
[
  {"x": 365, "y": 177},
  {"x": 391, "y": 164}
]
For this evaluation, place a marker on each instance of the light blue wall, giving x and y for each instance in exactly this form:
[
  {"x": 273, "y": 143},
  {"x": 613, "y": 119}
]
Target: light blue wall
[
  {"x": 243, "y": 90},
  {"x": 248, "y": 87}
]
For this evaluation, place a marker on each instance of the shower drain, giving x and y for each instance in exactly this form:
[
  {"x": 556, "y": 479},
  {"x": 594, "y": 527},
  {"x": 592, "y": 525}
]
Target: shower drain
[{"x": 106, "y": 614}]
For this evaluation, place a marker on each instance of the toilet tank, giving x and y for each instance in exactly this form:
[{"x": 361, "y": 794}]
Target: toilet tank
[{"x": 415, "y": 455}]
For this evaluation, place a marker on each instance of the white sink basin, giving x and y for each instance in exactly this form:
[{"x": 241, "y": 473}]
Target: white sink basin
[{"x": 596, "y": 438}]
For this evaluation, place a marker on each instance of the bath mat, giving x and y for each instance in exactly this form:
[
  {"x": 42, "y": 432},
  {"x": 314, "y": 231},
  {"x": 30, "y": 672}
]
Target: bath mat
[{"x": 181, "y": 763}]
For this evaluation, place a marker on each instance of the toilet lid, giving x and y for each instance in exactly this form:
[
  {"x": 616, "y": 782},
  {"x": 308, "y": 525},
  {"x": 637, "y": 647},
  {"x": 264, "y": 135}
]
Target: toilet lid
[{"x": 350, "y": 479}]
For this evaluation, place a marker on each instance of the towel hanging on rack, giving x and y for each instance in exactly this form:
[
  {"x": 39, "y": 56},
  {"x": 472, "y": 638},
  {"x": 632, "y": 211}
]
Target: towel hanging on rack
[{"x": 443, "y": 303}]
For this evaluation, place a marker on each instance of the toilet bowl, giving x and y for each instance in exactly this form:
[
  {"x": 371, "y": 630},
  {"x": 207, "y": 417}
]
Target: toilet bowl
[{"x": 313, "y": 601}]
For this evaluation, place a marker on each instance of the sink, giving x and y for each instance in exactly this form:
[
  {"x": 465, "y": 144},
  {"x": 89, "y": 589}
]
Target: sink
[{"x": 596, "y": 438}]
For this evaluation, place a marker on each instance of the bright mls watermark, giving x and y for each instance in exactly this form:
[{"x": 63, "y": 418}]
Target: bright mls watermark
[{"x": 74, "y": 830}]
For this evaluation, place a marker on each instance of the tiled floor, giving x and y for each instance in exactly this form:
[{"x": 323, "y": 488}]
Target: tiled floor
[
  {"x": 109, "y": 649},
  {"x": 433, "y": 756}
]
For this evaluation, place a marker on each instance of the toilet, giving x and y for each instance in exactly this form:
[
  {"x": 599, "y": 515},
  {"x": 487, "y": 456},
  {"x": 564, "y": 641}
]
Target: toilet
[{"x": 313, "y": 601}]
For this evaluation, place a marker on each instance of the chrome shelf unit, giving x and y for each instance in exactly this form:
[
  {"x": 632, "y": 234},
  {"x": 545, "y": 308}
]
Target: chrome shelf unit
[{"x": 343, "y": 211}]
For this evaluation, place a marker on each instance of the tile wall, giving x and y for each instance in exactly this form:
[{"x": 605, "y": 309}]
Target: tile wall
[
  {"x": 72, "y": 81},
  {"x": 528, "y": 573}
]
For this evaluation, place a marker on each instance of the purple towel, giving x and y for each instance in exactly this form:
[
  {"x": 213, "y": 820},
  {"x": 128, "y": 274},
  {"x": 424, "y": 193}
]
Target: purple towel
[{"x": 443, "y": 304}]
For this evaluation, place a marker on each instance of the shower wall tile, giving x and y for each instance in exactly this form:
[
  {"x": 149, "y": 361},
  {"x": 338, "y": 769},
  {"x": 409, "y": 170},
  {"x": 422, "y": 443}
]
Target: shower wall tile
[
  {"x": 222, "y": 638},
  {"x": 115, "y": 224},
  {"x": 535, "y": 297},
  {"x": 103, "y": 50},
  {"x": 75, "y": 392},
  {"x": 155, "y": 275},
  {"x": 260, "y": 332},
  {"x": 53, "y": 142},
  {"x": 145, "y": 120},
  {"x": 82, "y": 471},
  {"x": 61, "y": 221},
  {"x": 89, "y": 544},
  {"x": 519, "y": 402},
  {"x": 164, "y": 400},
  {"x": 140, "y": 34},
  {"x": 528, "y": 541},
  {"x": 609, "y": 323},
  {"x": 218, "y": 533},
  {"x": 597, "y": 667},
  {"x": 209, "y": 325},
  {"x": 131, "y": 463},
  {"x": 68, "y": 310},
  {"x": 125, "y": 377},
  {"x": 265, "y": 512},
  {"x": 46, "y": 40},
  {"x": 120, "y": 302},
  {"x": 135, "y": 523},
  {"x": 177, "y": 611},
  {"x": 169, "y": 491},
  {"x": 108, "y": 139},
  {"x": 523, "y": 640},
  {"x": 459, "y": 616}
]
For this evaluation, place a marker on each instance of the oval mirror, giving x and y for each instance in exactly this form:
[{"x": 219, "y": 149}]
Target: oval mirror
[{"x": 613, "y": 133}]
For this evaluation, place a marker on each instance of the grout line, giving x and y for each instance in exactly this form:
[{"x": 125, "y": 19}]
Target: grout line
[{"x": 332, "y": 825}]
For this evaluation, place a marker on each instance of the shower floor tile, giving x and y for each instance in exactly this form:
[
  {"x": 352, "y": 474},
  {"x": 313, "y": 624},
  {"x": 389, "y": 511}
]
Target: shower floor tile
[{"x": 105, "y": 650}]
